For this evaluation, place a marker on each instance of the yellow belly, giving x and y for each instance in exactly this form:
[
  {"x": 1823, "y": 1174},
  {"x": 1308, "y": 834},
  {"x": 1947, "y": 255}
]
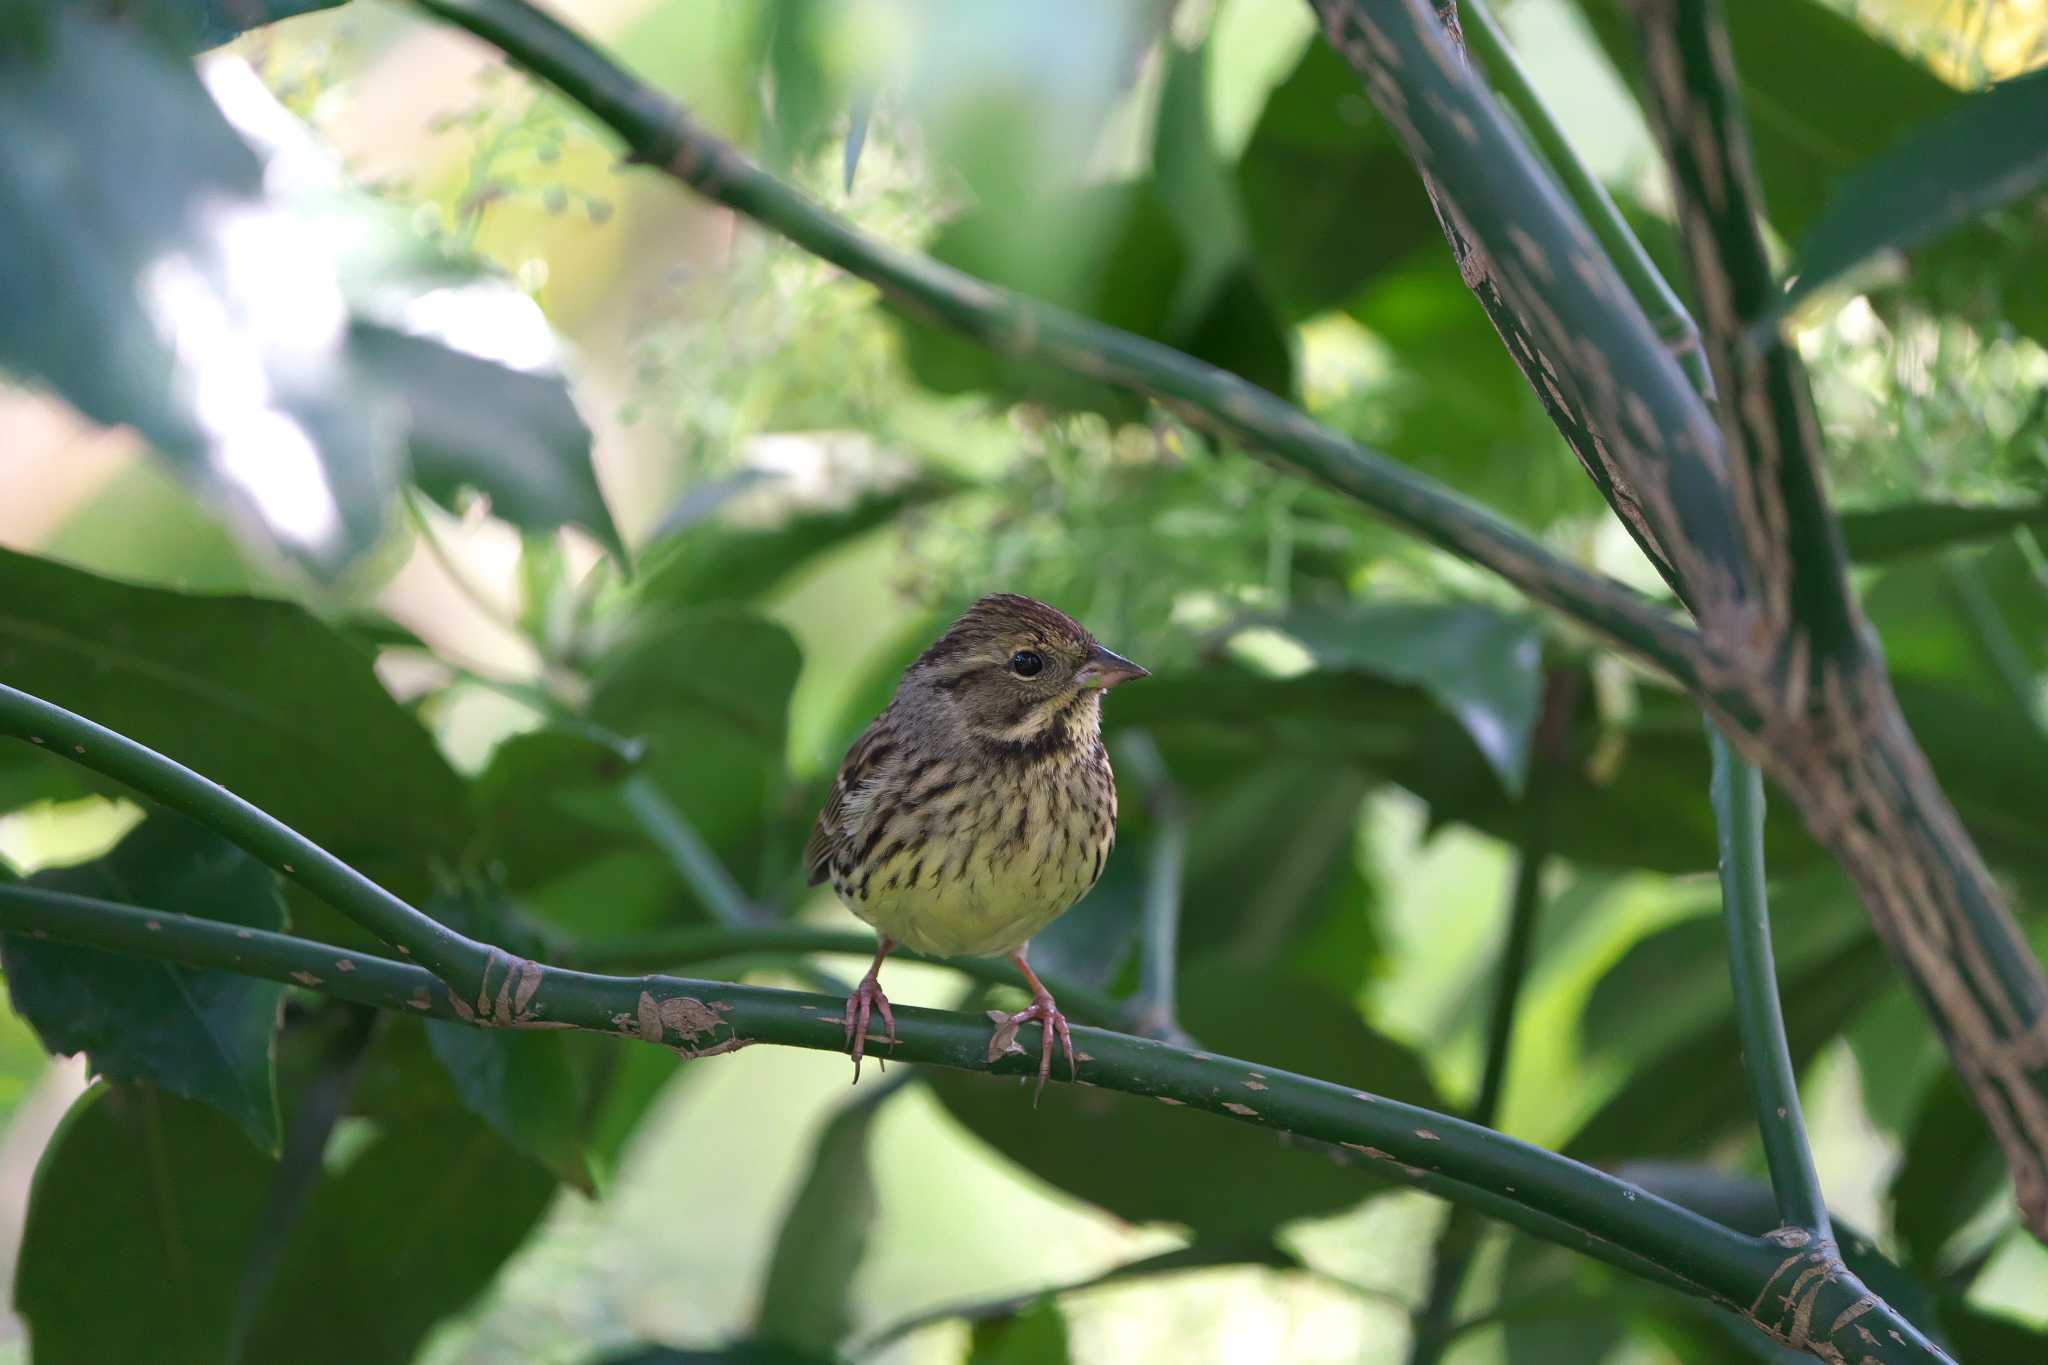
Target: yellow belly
[{"x": 976, "y": 888}]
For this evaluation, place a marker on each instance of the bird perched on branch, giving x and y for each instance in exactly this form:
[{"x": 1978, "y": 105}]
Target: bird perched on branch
[{"x": 979, "y": 806}]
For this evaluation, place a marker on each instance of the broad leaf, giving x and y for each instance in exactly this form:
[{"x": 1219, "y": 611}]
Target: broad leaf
[
  {"x": 221, "y": 20},
  {"x": 151, "y": 1193},
  {"x": 1879, "y": 534},
  {"x": 256, "y": 695},
  {"x": 149, "y": 281},
  {"x": 708, "y": 693},
  {"x": 461, "y": 353},
  {"x": 1483, "y": 666},
  {"x": 525, "y": 1085},
  {"x": 1330, "y": 197},
  {"x": 711, "y": 562},
  {"x": 473, "y": 423},
  {"x": 409, "y": 1232},
  {"x": 1149, "y": 1162},
  {"x": 1693, "y": 1093},
  {"x": 806, "y": 1299},
  {"x": 205, "y": 1035},
  {"x": 1986, "y": 152},
  {"x": 1952, "y": 1169},
  {"x": 1036, "y": 1336}
]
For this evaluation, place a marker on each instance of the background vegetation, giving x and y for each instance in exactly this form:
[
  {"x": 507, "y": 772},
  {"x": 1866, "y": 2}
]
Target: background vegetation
[{"x": 1360, "y": 761}]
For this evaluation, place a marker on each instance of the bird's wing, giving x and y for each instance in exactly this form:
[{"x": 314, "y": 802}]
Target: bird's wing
[{"x": 862, "y": 761}]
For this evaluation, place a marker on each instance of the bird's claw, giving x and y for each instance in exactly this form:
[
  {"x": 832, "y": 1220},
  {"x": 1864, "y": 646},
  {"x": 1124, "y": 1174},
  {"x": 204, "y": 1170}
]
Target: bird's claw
[
  {"x": 867, "y": 999},
  {"x": 1044, "y": 1012}
]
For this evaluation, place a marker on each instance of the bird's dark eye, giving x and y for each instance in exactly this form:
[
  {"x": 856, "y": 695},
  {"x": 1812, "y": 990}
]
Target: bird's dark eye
[{"x": 1026, "y": 663}]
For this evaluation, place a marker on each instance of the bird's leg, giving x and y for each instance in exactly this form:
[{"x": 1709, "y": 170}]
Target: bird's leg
[
  {"x": 867, "y": 998},
  {"x": 1047, "y": 1015}
]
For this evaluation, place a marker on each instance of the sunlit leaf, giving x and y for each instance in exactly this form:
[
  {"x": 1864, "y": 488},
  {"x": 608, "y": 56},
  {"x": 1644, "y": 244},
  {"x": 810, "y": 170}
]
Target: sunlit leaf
[
  {"x": 1036, "y": 1336},
  {"x": 206, "y": 1035},
  {"x": 150, "y": 282}
]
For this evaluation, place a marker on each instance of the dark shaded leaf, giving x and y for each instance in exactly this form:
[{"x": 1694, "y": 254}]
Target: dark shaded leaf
[
  {"x": 806, "y": 1299},
  {"x": 412, "y": 1230},
  {"x": 154, "y": 1194},
  {"x": 221, "y": 20},
  {"x": 1880, "y": 534},
  {"x": 1820, "y": 92},
  {"x": 1952, "y": 1169},
  {"x": 1985, "y": 152},
  {"x": 472, "y": 423},
  {"x": 525, "y": 1085},
  {"x": 1483, "y": 666},
  {"x": 205, "y": 1035},
  {"x": 1036, "y": 1336},
  {"x": 1975, "y": 1334},
  {"x": 1148, "y": 1162},
  {"x": 1109, "y": 252},
  {"x": 1684, "y": 968},
  {"x": 711, "y": 563},
  {"x": 1694, "y": 1092},
  {"x": 708, "y": 692},
  {"x": 737, "y": 1353},
  {"x": 546, "y": 804},
  {"x": 1329, "y": 196},
  {"x": 150, "y": 283},
  {"x": 253, "y": 694}
]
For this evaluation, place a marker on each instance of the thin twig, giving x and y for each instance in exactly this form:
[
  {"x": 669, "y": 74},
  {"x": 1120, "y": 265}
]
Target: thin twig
[
  {"x": 1738, "y": 793},
  {"x": 1159, "y": 962}
]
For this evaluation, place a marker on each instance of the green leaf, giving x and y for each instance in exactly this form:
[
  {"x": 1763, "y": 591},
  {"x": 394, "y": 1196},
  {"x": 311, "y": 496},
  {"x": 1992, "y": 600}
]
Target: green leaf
[
  {"x": 151, "y": 1193},
  {"x": 736, "y": 1353},
  {"x": 1985, "y": 152},
  {"x": 409, "y": 1232},
  {"x": 205, "y": 1035},
  {"x": 715, "y": 562},
  {"x": 1692, "y": 1093},
  {"x": 472, "y": 423},
  {"x": 709, "y": 694},
  {"x": 1483, "y": 666},
  {"x": 1975, "y": 1334},
  {"x": 1820, "y": 92},
  {"x": 1330, "y": 198},
  {"x": 547, "y": 806},
  {"x": 1036, "y": 1336},
  {"x": 1879, "y": 535},
  {"x": 525, "y": 1086},
  {"x": 1108, "y": 252},
  {"x": 221, "y": 20},
  {"x": 1684, "y": 968},
  {"x": 806, "y": 1299},
  {"x": 1148, "y": 1162},
  {"x": 256, "y": 695},
  {"x": 150, "y": 283},
  {"x": 1952, "y": 1169}
]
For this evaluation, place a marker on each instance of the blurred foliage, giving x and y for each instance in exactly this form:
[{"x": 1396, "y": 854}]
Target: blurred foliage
[{"x": 804, "y": 486}]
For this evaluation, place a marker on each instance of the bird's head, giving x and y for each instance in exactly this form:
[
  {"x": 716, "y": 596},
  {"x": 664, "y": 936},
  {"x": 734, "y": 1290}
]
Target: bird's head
[{"x": 1017, "y": 672}]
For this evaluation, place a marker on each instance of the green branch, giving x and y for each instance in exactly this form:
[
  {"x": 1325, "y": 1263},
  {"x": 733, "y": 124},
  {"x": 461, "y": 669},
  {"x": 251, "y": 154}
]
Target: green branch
[
  {"x": 1159, "y": 964},
  {"x": 1738, "y": 795},
  {"x": 686, "y": 947},
  {"x": 1541, "y": 1192},
  {"x": 659, "y": 134},
  {"x": 1652, "y": 291}
]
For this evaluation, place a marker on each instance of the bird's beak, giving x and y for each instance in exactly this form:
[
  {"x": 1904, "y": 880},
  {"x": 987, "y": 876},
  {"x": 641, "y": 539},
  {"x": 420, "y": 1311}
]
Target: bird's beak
[{"x": 1105, "y": 669}]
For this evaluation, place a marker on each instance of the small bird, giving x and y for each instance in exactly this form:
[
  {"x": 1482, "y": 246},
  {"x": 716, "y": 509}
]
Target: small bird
[{"x": 979, "y": 806}]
